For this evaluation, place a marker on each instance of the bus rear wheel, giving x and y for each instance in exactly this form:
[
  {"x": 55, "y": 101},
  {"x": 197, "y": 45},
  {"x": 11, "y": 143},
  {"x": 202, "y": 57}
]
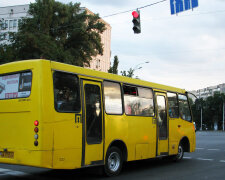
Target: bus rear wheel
[{"x": 113, "y": 162}]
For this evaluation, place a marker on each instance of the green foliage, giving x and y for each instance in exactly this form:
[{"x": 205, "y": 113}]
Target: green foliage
[
  {"x": 56, "y": 31},
  {"x": 212, "y": 111},
  {"x": 129, "y": 73},
  {"x": 114, "y": 68}
]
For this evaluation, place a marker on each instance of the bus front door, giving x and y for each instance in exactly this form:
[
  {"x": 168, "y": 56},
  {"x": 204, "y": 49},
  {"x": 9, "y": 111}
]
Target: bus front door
[
  {"x": 162, "y": 125},
  {"x": 92, "y": 141}
]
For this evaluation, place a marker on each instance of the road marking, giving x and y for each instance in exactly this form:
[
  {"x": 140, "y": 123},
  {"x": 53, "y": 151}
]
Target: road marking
[
  {"x": 11, "y": 172},
  {"x": 4, "y": 170},
  {"x": 223, "y": 161},
  {"x": 187, "y": 157},
  {"x": 202, "y": 159},
  {"x": 213, "y": 149},
  {"x": 200, "y": 148}
]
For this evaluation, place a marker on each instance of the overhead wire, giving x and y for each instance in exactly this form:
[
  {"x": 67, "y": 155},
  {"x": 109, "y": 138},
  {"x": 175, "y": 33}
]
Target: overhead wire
[{"x": 122, "y": 12}]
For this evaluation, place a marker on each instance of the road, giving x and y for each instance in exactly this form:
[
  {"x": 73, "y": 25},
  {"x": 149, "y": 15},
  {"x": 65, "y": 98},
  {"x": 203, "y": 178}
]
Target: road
[{"x": 208, "y": 162}]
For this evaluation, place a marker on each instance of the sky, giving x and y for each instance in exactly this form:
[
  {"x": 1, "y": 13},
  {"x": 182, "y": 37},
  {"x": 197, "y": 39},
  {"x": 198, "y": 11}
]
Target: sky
[{"x": 185, "y": 50}]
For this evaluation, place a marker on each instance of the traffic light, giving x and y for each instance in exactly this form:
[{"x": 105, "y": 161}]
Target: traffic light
[{"x": 136, "y": 22}]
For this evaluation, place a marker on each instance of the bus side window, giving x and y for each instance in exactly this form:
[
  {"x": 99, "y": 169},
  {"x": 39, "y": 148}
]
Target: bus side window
[
  {"x": 113, "y": 100},
  {"x": 138, "y": 101},
  {"x": 173, "y": 105},
  {"x": 66, "y": 92},
  {"x": 184, "y": 110}
]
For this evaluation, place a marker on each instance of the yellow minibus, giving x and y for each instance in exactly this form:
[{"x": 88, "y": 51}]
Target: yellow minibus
[{"x": 60, "y": 116}]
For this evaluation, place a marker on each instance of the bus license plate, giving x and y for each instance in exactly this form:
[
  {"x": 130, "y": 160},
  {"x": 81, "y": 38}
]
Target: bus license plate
[{"x": 6, "y": 154}]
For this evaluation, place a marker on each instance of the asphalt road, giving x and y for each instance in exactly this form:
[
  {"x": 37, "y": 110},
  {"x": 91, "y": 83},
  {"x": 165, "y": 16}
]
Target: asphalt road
[{"x": 208, "y": 162}]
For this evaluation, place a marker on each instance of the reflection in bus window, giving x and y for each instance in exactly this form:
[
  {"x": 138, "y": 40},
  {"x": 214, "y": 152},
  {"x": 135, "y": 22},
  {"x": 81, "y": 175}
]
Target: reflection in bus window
[
  {"x": 138, "y": 101},
  {"x": 113, "y": 101},
  {"x": 184, "y": 108},
  {"x": 173, "y": 105},
  {"x": 66, "y": 92}
]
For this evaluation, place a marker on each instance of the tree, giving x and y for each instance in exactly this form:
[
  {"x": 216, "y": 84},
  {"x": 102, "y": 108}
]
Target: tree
[
  {"x": 212, "y": 110},
  {"x": 129, "y": 73},
  {"x": 56, "y": 31},
  {"x": 114, "y": 68}
]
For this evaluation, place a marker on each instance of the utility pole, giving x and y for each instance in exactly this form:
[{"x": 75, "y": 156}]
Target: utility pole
[
  {"x": 201, "y": 119},
  {"x": 223, "y": 115}
]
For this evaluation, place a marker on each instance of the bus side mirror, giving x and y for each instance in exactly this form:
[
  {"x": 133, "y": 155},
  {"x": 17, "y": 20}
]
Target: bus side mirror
[{"x": 195, "y": 126}]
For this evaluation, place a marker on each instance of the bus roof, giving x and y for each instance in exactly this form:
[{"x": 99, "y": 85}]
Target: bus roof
[{"x": 88, "y": 72}]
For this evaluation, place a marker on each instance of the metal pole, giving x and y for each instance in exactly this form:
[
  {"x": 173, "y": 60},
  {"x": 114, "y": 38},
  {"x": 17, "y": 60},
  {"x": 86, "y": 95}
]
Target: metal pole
[
  {"x": 223, "y": 116},
  {"x": 201, "y": 119}
]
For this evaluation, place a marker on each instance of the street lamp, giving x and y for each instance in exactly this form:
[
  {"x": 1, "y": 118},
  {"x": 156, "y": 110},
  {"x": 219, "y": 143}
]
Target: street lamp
[{"x": 137, "y": 66}]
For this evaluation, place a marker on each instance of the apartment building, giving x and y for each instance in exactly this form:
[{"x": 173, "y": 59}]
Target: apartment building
[
  {"x": 9, "y": 20},
  {"x": 102, "y": 63},
  {"x": 209, "y": 91},
  {"x": 11, "y": 15}
]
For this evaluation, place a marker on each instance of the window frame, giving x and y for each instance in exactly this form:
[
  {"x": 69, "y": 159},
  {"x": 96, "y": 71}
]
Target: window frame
[
  {"x": 6, "y": 26},
  {"x": 10, "y": 24},
  {"x": 18, "y": 72},
  {"x": 153, "y": 98},
  {"x": 121, "y": 91},
  {"x": 79, "y": 93},
  {"x": 15, "y": 23}
]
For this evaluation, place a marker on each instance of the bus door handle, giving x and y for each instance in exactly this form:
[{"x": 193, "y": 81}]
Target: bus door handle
[
  {"x": 154, "y": 120},
  {"x": 77, "y": 118}
]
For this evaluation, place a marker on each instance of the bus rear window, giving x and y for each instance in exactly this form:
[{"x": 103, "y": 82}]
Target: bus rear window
[{"x": 16, "y": 85}]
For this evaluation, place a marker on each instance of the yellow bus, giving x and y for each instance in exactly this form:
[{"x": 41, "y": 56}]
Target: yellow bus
[{"x": 59, "y": 116}]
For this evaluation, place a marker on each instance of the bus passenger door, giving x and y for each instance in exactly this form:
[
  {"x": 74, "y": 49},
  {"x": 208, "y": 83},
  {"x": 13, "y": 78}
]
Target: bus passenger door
[
  {"x": 92, "y": 141},
  {"x": 162, "y": 125}
]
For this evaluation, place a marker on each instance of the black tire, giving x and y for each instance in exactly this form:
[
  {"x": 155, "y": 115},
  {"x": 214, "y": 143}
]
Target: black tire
[
  {"x": 180, "y": 154},
  {"x": 113, "y": 162}
]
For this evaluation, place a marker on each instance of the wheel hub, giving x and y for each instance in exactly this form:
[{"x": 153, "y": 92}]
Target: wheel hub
[{"x": 114, "y": 161}]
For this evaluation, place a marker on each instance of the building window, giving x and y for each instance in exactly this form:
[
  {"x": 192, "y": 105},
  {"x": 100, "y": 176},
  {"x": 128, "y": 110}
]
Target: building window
[
  {"x": 6, "y": 24},
  {"x": 97, "y": 63},
  {"x": 10, "y": 24},
  {"x": 14, "y": 23}
]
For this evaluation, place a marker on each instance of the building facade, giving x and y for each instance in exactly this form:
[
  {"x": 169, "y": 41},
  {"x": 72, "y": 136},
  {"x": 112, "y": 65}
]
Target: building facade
[
  {"x": 102, "y": 62},
  {"x": 209, "y": 91},
  {"x": 11, "y": 15}
]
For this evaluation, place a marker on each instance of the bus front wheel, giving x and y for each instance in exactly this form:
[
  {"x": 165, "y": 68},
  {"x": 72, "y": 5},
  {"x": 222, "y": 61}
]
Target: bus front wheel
[
  {"x": 180, "y": 153},
  {"x": 113, "y": 162}
]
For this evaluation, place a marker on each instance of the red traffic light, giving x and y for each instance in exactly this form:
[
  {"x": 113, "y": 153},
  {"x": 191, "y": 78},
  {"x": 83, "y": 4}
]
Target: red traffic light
[{"x": 135, "y": 14}]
